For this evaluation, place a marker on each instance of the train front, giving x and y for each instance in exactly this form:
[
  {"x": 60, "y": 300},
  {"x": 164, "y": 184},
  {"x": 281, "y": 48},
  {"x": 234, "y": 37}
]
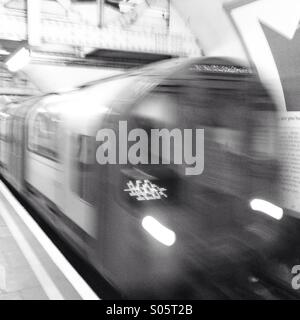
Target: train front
[{"x": 189, "y": 183}]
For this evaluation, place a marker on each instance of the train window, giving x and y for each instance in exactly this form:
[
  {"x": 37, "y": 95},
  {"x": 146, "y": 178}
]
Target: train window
[
  {"x": 4, "y": 126},
  {"x": 221, "y": 109},
  {"x": 207, "y": 106},
  {"x": 43, "y": 137},
  {"x": 157, "y": 110},
  {"x": 158, "y": 107},
  {"x": 192, "y": 104},
  {"x": 83, "y": 164}
]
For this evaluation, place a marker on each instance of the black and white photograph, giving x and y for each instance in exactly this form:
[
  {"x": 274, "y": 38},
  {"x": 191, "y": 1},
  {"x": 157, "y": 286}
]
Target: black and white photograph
[{"x": 149, "y": 153}]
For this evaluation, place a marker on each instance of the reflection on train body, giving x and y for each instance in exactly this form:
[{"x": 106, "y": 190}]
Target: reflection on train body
[{"x": 196, "y": 231}]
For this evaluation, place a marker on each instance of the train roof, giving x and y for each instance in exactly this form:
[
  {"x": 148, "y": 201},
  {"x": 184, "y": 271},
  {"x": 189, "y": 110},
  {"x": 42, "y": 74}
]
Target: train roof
[
  {"x": 221, "y": 65},
  {"x": 93, "y": 98}
]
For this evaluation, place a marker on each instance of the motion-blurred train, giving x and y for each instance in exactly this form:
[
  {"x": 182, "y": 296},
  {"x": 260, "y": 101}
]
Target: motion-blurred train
[{"x": 151, "y": 230}]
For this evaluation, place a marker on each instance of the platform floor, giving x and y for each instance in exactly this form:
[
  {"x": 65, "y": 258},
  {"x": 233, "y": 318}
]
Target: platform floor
[{"x": 31, "y": 266}]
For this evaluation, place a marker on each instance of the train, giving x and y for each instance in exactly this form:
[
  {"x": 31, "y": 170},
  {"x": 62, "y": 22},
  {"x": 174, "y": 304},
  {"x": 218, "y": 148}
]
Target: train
[{"x": 149, "y": 228}]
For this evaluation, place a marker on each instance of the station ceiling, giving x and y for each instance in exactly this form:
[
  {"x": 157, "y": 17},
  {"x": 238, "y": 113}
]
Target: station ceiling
[
  {"x": 210, "y": 23},
  {"x": 208, "y": 20}
]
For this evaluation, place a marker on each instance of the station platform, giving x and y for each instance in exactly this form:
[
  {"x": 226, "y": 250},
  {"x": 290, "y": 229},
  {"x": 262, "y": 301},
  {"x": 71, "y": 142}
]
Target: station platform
[{"x": 31, "y": 266}]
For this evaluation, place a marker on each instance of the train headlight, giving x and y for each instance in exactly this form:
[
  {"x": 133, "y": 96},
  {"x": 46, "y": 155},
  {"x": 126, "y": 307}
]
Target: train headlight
[
  {"x": 159, "y": 231},
  {"x": 267, "y": 207}
]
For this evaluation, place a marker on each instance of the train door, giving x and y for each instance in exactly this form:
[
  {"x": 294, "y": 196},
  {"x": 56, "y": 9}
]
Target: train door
[
  {"x": 3, "y": 140},
  {"x": 12, "y": 147},
  {"x": 16, "y": 159},
  {"x": 80, "y": 189},
  {"x": 2, "y": 124},
  {"x": 44, "y": 167}
]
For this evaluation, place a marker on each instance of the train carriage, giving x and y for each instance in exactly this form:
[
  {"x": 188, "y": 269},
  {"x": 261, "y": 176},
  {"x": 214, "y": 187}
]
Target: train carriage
[{"x": 151, "y": 229}]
